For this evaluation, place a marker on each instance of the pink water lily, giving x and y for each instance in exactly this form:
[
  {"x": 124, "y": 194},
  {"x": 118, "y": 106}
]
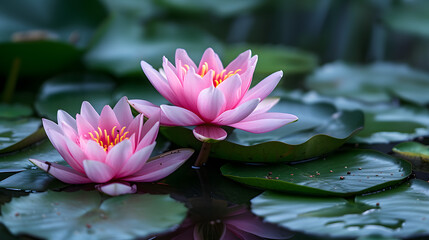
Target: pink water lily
[
  {"x": 108, "y": 147},
  {"x": 210, "y": 96}
]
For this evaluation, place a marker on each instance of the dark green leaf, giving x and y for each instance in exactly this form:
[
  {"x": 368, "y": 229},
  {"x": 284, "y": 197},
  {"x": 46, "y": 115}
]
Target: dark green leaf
[
  {"x": 11, "y": 111},
  {"x": 319, "y": 130},
  {"x": 341, "y": 174},
  {"x": 85, "y": 215},
  {"x": 67, "y": 92},
  {"x": 397, "y": 213},
  {"x": 16, "y": 134},
  {"x": 34, "y": 180}
]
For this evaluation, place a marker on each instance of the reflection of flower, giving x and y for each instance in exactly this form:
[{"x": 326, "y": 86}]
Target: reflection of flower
[
  {"x": 106, "y": 147},
  {"x": 214, "y": 219},
  {"x": 210, "y": 96}
]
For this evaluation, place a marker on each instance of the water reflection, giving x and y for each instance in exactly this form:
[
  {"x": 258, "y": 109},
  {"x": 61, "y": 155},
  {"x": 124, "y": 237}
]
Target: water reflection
[{"x": 218, "y": 219}]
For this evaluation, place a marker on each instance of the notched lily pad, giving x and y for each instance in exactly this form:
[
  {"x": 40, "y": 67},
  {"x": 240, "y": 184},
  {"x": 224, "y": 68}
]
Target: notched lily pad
[
  {"x": 320, "y": 129},
  {"x": 398, "y": 213},
  {"x": 85, "y": 215},
  {"x": 341, "y": 174}
]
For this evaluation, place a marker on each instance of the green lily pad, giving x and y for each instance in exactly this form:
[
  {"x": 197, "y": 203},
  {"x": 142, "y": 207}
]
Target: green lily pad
[
  {"x": 119, "y": 50},
  {"x": 398, "y": 213},
  {"x": 33, "y": 180},
  {"x": 295, "y": 63},
  {"x": 341, "y": 174},
  {"x": 18, "y": 161},
  {"x": 67, "y": 92},
  {"x": 11, "y": 111},
  {"x": 412, "y": 150},
  {"x": 85, "y": 215},
  {"x": 384, "y": 122},
  {"x": 379, "y": 82},
  {"x": 45, "y": 45},
  {"x": 16, "y": 134},
  {"x": 320, "y": 129},
  {"x": 409, "y": 17}
]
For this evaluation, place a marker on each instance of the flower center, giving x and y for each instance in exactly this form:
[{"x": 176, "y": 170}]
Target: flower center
[
  {"x": 108, "y": 139},
  {"x": 217, "y": 78}
]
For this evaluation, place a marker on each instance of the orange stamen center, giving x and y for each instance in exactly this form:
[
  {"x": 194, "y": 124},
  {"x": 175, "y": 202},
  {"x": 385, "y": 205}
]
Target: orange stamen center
[
  {"x": 217, "y": 78},
  {"x": 108, "y": 139}
]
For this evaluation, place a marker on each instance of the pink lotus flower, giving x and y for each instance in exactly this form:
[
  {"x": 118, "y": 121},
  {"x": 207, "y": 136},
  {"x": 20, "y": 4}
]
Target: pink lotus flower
[
  {"x": 108, "y": 147},
  {"x": 210, "y": 96}
]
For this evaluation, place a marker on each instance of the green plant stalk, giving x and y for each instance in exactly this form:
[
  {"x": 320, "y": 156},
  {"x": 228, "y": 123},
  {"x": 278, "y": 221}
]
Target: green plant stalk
[
  {"x": 203, "y": 155},
  {"x": 11, "y": 81}
]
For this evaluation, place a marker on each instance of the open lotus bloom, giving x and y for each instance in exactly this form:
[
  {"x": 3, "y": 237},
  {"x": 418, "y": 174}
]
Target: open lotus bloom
[
  {"x": 210, "y": 96},
  {"x": 112, "y": 147}
]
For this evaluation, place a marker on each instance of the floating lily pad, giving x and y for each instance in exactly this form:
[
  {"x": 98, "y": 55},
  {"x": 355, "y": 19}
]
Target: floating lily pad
[
  {"x": 120, "y": 49},
  {"x": 18, "y": 161},
  {"x": 341, "y": 174},
  {"x": 294, "y": 62},
  {"x": 379, "y": 82},
  {"x": 412, "y": 150},
  {"x": 67, "y": 92},
  {"x": 11, "y": 111},
  {"x": 398, "y": 213},
  {"x": 409, "y": 17},
  {"x": 85, "y": 215},
  {"x": 320, "y": 129},
  {"x": 34, "y": 180},
  {"x": 16, "y": 134},
  {"x": 384, "y": 122}
]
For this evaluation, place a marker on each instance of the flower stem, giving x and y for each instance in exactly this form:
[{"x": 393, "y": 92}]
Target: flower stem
[
  {"x": 203, "y": 155},
  {"x": 11, "y": 81}
]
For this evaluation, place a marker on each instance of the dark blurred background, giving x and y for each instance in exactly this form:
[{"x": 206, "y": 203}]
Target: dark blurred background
[{"x": 42, "y": 39}]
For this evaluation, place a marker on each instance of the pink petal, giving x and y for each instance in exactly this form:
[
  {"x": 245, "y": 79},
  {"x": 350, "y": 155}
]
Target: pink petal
[
  {"x": 241, "y": 62},
  {"x": 89, "y": 113},
  {"x": 84, "y": 127},
  {"x": 148, "y": 125},
  {"x": 123, "y": 112},
  {"x": 70, "y": 133},
  {"x": 161, "y": 166},
  {"x": 62, "y": 173},
  {"x": 208, "y": 133},
  {"x": 136, "y": 161},
  {"x": 212, "y": 59},
  {"x": 119, "y": 154},
  {"x": 177, "y": 116},
  {"x": 148, "y": 109},
  {"x": 182, "y": 55},
  {"x": 159, "y": 82},
  {"x": 211, "y": 102},
  {"x": 264, "y": 88},
  {"x": 65, "y": 117},
  {"x": 265, "y": 105},
  {"x": 135, "y": 127},
  {"x": 94, "y": 151},
  {"x": 117, "y": 188},
  {"x": 246, "y": 77},
  {"x": 237, "y": 114},
  {"x": 108, "y": 119},
  {"x": 149, "y": 137},
  {"x": 264, "y": 122},
  {"x": 97, "y": 171},
  {"x": 59, "y": 142},
  {"x": 49, "y": 125},
  {"x": 174, "y": 82},
  {"x": 231, "y": 89},
  {"x": 76, "y": 153},
  {"x": 193, "y": 84}
]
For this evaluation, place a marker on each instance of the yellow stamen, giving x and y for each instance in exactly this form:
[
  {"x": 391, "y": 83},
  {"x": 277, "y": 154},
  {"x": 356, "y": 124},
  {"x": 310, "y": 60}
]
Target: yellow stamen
[{"x": 108, "y": 139}]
